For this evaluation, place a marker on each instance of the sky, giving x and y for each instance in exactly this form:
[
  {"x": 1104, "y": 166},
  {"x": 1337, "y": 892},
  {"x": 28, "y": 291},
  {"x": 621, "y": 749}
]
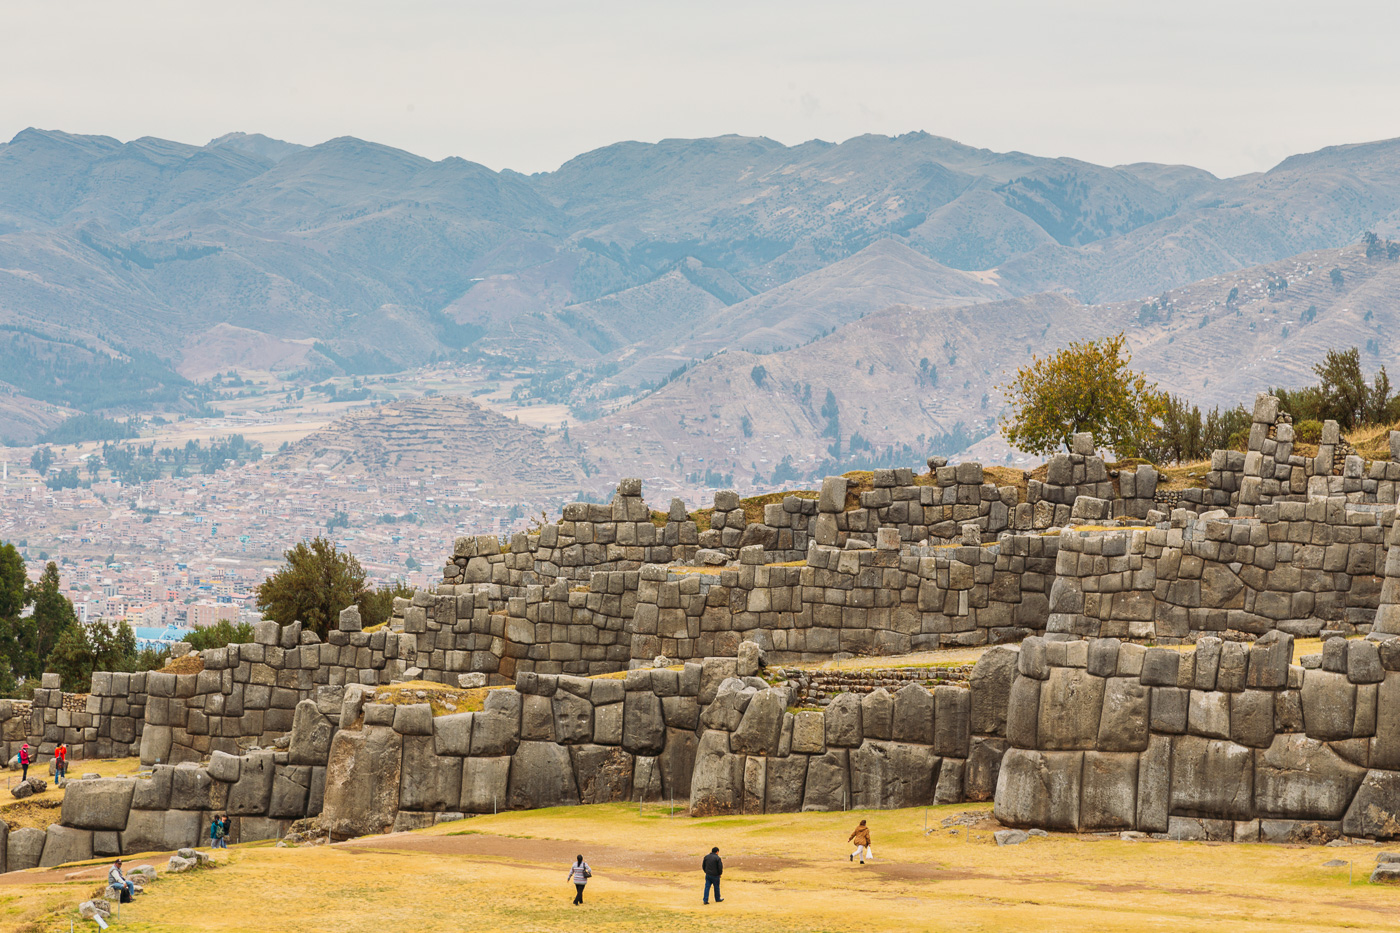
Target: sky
[{"x": 1232, "y": 86}]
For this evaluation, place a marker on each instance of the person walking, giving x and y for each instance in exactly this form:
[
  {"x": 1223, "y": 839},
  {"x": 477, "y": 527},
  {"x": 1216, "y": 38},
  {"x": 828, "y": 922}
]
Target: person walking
[
  {"x": 861, "y": 837},
  {"x": 713, "y": 868},
  {"x": 216, "y": 832},
  {"x": 579, "y": 873},
  {"x": 60, "y": 763},
  {"x": 25, "y": 758},
  {"x": 223, "y": 832}
]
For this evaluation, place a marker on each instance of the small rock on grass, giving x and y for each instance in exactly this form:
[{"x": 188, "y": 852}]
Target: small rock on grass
[
  {"x": 1386, "y": 873},
  {"x": 1335, "y": 863},
  {"x": 96, "y": 907},
  {"x": 1010, "y": 837}
]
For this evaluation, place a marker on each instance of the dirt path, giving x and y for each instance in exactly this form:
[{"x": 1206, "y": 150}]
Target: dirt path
[
  {"x": 83, "y": 873},
  {"x": 545, "y": 851}
]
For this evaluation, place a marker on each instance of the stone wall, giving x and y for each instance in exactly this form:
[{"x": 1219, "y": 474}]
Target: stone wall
[
  {"x": 1228, "y": 741},
  {"x": 104, "y": 723},
  {"x": 1302, "y": 567}
]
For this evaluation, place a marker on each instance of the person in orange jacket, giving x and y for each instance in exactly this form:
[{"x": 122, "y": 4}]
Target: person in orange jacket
[{"x": 861, "y": 837}]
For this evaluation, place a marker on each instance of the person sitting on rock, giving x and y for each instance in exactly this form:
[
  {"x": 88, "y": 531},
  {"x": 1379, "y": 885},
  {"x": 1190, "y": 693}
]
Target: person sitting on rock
[
  {"x": 115, "y": 879},
  {"x": 861, "y": 837}
]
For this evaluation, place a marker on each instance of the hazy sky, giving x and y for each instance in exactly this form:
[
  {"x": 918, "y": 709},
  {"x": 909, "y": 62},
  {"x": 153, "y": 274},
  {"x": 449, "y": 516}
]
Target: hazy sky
[{"x": 1228, "y": 85}]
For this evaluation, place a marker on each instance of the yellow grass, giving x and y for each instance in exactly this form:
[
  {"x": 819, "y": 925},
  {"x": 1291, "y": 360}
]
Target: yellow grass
[
  {"x": 1372, "y": 441},
  {"x": 442, "y": 698},
  {"x": 942, "y": 657},
  {"x": 782, "y": 873}
]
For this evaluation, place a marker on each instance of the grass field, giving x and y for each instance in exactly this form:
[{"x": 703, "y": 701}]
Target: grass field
[{"x": 782, "y": 873}]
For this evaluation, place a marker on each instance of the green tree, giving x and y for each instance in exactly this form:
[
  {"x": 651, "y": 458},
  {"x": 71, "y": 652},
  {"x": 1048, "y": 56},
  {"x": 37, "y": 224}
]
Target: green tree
[
  {"x": 758, "y": 374},
  {"x": 53, "y": 615},
  {"x": 380, "y": 604},
  {"x": 317, "y": 583},
  {"x": 219, "y": 635},
  {"x": 13, "y": 596},
  {"x": 1336, "y": 276},
  {"x": 1083, "y": 387},
  {"x": 42, "y": 460}
]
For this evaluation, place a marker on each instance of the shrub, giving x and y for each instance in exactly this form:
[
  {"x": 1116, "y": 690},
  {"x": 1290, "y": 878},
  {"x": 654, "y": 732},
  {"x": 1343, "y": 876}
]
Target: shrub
[{"x": 1308, "y": 432}]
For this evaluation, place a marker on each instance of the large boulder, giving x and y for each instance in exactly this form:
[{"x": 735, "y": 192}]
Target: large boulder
[
  {"x": 843, "y": 728},
  {"x": 892, "y": 775},
  {"x": 984, "y": 756},
  {"x": 643, "y": 723},
  {"x": 913, "y": 716},
  {"x": 677, "y": 763},
  {"x": 249, "y": 797},
  {"x": 1071, "y": 703},
  {"x": 717, "y": 783},
  {"x": 1375, "y": 810},
  {"x": 97, "y": 804},
  {"x": 1108, "y": 796},
  {"x": 152, "y": 793},
  {"x": 484, "y": 784},
  {"x": 362, "y": 782},
  {"x": 1023, "y": 712},
  {"x": 1211, "y": 779},
  {"x": 762, "y": 725},
  {"x": 541, "y": 775},
  {"x": 1154, "y": 785},
  {"x": 1301, "y": 778},
  {"x": 828, "y": 781},
  {"x": 191, "y": 787},
  {"x": 65, "y": 844},
  {"x": 1039, "y": 789},
  {"x": 1123, "y": 723},
  {"x": 787, "y": 781},
  {"x": 25, "y": 848},
  {"x": 311, "y": 735},
  {"x": 429, "y": 782},
  {"x": 604, "y": 773},
  {"x": 1329, "y": 705},
  {"x": 991, "y": 689},
  {"x": 877, "y": 714},
  {"x": 161, "y": 830},
  {"x": 573, "y": 718},
  {"x": 452, "y": 734},
  {"x": 950, "y": 717}
]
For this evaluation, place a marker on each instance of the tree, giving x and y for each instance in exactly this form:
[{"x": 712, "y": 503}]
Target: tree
[
  {"x": 317, "y": 583},
  {"x": 380, "y": 604},
  {"x": 1336, "y": 276},
  {"x": 218, "y": 635},
  {"x": 53, "y": 615},
  {"x": 1083, "y": 387},
  {"x": 42, "y": 460},
  {"x": 758, "y": 374},
  {"x": 13, "y": 597}
]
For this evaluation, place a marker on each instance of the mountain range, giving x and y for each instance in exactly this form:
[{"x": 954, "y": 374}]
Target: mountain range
[{"x": 647, "y": 276}]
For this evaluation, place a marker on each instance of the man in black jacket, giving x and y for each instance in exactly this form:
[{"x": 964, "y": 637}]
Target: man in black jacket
[{"x": 713, "y": 868}]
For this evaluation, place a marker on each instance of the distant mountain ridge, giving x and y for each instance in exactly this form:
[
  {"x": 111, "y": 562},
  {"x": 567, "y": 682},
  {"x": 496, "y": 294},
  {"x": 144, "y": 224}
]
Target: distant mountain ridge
[{"x": 635, "y": 258}]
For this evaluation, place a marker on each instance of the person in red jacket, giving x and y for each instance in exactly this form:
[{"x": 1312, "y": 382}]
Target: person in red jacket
[
  {"x": 60, "y": 763},
  {"x": 25, "y": 757}
]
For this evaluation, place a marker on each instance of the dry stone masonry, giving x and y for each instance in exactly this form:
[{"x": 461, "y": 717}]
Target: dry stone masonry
[{"x": 1136, "y": 675}]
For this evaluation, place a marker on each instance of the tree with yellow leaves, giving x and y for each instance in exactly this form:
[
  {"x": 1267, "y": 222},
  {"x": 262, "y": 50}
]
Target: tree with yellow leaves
[{"x": 1083, "y": 387}]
